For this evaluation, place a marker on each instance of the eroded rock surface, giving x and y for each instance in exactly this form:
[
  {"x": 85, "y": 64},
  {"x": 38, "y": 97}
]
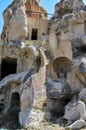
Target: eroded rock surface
[{"x": 48, "y": 60}]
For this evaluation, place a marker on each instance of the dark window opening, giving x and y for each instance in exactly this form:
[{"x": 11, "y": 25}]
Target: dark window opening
[
  {"x": 15, "y": 107},
  {"x": 1, "y": 107},
  {"x": 58, "y": 106},
  {"x": 15, "y": 101},
  {"x": 83, "y": 49},
  {"x": 85, "y": 27},
  {"x": 8, "y": 66},
  {"x": 62, "y": 74},
  {"x": 34, "y": 34},
  {"x": 2, "y": 100}
]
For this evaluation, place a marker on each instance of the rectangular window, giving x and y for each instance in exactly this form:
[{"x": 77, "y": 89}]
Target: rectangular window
[{"x": 34, "y": 34}]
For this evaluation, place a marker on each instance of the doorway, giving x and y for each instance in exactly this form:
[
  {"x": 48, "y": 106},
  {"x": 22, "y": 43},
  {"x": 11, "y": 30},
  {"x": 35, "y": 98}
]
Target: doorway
[
  {"x": 34, "y": 34},
  {"x": 8, "y": 66},
  {"x": 15, "y": 100},
  {"x": 14, "y": 108}
]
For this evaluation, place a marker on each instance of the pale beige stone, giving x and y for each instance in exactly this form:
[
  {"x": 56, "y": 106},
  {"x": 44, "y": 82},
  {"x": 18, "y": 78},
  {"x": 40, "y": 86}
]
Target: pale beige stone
[
  {"x": 52, "y": 66},
  {"x": 19, "y": 22},
  {"x": 64, "y": 48},
  {"x": 77, "y": 4}
]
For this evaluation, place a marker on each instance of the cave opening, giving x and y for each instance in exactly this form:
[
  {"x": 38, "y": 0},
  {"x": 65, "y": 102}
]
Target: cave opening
[
  {"x": 8, "y": 66},
  {"x": 1, "y": 107},
  {"x": 62, "y": 74},
  {"x": 83, "y": 48},
  {"x": 62, "y": 65},
  {"x": 15, "y": 101},
  {"x": 58, "y": 105},
  {"x": 85, "y": 27},
  {"x": 14, "y": 107}
]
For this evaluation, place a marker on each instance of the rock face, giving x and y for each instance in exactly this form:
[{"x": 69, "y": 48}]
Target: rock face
[
  {"x": 42, "y": 59},
  {"x": 69, "y": 16},
  {"x": 15, "y": 17},
  {"x": 78, "y": 124},
  {"x": 18, "y": 21}
]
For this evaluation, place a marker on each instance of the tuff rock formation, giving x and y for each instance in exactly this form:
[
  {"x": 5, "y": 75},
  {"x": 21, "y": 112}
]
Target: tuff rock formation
[{"x": 44, "y": 59}]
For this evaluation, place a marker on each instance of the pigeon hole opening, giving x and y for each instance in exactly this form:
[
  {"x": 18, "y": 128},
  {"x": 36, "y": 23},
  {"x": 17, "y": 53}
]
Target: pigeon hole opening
[{"x": 8, "y": 66}]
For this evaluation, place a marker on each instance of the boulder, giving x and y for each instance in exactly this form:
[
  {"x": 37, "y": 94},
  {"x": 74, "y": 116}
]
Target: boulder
[
  {"x": 78, "y": 124},
  {"x": 75, "y": 110},
  {"x": 83, "y": 40},
  {"x": 82, "y": 95},
  {"x": 56, "y": 90}
]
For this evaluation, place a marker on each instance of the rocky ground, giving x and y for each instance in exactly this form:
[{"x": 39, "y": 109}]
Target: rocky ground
[
  {"x": 8, "y": 122},
  {"x": 46, "y": 126}
]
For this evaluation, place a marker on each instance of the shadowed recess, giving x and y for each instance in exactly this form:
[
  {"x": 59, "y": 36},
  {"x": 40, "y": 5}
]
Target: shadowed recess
[
  {"x": 8, "y": 66},
  {"x": 62, "y": 65}
]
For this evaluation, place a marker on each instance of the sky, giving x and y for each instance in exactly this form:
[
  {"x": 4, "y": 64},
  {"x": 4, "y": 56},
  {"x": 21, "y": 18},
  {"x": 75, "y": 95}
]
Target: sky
[{"x": 47, "y": 4}]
